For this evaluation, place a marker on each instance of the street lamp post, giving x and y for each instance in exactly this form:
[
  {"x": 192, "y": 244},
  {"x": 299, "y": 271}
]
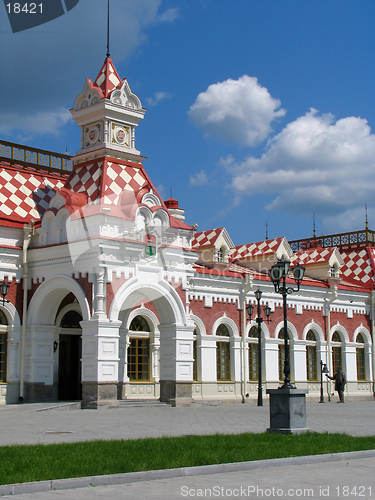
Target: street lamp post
[
  {"x": 323, "y": 369},
  {"x": 278, "y": 274},
  {"x": 287, "y": 404},
  {"x": 259, "y": 320}
]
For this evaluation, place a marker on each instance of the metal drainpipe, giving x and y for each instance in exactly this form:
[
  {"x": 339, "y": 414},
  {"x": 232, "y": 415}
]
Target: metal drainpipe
[
  {"x": 247, "y": 286},
  {"x": 373, "y": 340},
  {"x": 27, "y": 233},
  {"x": 329, "y": 357}
]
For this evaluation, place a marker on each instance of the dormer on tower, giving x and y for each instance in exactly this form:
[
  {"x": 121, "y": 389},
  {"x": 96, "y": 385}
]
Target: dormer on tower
[{"x": 107, "y": 111}]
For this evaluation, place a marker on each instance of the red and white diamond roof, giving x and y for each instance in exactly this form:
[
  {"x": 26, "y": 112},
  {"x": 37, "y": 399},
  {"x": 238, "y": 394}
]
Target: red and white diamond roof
[
  {"x": 359, "y": 266},
  {"x": 86, "y": 179},
  {"x": 119, "y": 179},
  {"x": 25, "y": 195},
  {"x": 108, "y": 79},
  {"x": 106, "y": 180},
  {"x": 316, "y": 255},
  {"x": 206, "y": 238},
  {"x": 256, "y": 249}
]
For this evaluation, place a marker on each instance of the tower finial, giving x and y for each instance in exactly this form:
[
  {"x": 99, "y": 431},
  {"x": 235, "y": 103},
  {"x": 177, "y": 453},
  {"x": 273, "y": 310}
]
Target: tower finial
[
  {"x": 108, "y": 30},
  {"x": 266, "y": 230},
  {"x": 366, "y": 215},
  {"x": 314, "y": 230}
]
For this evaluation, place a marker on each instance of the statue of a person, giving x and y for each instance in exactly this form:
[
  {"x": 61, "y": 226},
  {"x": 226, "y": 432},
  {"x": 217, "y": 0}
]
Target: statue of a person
[{"x": 340, "y": 382}]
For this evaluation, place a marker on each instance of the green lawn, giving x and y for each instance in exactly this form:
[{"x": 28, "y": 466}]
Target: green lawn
[{"x": 39, "y": 462}]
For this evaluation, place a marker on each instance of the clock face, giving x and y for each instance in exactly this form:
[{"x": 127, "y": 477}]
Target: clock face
[
  {"x": 121, "y": 135},
  {"x": 93, "y": 135}
]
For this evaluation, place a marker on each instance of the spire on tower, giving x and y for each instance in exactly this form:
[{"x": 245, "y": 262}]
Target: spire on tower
[
  {"x": 314, "y": 230},
  {"x": 108, "y": 30}
]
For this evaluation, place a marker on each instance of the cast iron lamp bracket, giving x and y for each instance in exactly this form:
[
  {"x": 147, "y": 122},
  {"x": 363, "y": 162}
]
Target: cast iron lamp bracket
[{"x": 4, "y": 288}]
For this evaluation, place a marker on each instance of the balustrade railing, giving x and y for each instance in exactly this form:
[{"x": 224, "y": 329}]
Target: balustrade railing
[
  {"x": 342, "y": 240},
  {"x": 36, "y": 159}
]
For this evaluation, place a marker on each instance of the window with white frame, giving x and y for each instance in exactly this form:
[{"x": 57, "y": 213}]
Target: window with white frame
[
  {"x": 253, "y": 353},
  {"x": 139, "y": 350},
  {"x": 336, "y": 352},
  {"x": 361, "y": 367},
  {"x": 3, "y": 347},
  {"x": 311, "y": 364},
  {"x": 223, "y": 353}
]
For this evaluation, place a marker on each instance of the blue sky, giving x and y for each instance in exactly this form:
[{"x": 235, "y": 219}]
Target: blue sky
[{"x": 257, "y": 110}]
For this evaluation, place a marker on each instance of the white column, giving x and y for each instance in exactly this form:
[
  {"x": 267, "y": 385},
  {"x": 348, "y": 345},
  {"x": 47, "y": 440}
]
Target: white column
[
  {"x": 13, "y": 358},
  {"x": 271, "y": 356},
  {"x": 349, "y": 361},
  {"x": 176, "y": 352},
  {"x": 299, "y": 360},
  {"x": 133, "y": 137},
  {"x": 155, "y": 360},
  {"x": 39, "y": 354},
  {"x": 176, "y": 362},
  {"x": 236, "y": 351},
  {"x": 208, "y": 358},
  {"x": 100, "y": 360},
  {"x": 100, "y": 292}
]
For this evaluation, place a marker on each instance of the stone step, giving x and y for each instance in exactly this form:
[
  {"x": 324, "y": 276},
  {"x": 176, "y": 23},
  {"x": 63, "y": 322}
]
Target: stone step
[{"x": 126, "y": 403}]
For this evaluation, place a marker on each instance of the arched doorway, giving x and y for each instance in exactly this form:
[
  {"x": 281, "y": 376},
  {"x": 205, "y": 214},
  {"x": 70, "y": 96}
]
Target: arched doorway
[
  {"x": 70, "y": 353},
  {"x": 176, "y": 336}
]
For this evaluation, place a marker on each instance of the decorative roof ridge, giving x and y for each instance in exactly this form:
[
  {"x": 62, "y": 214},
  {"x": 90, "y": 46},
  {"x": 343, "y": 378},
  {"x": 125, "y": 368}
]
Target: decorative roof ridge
[{"x": 280, "y": 238}]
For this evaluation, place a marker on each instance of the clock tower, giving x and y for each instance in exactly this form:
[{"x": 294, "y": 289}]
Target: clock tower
[{"x": 108, "y": 113}]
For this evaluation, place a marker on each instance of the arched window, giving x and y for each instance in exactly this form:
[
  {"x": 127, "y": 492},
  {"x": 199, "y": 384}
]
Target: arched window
[
  {"x": 223, "y": 354},
  {"x": 3, "y": 347},
  {"x": 336, "y": 352},
  {"x": 253, "y": 353},
  {"x": 139, "y": 324},
  {"x": 222, "y": 331},
  {"x": 221, "y": 254},
  {"x": 312, "y": 373},
  {"x": 361, "y": 370},
  {"x": 282, "y": 354},
  {"x": 71, "y": 319},
  {"x": 139, "y": 351}
]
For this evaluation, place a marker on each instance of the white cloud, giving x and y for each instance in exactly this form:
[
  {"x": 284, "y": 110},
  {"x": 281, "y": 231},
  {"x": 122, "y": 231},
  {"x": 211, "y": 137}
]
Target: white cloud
[
  {"x": 346, "y": 221},
  {"x": 239, "y": 111},
  {"x": 199, "y": 179},
  {"x": 168, "y": 16},
  {"x": 44, "y": 122},
  {"x": 314, "y": 164},
  {"x": 158, "y": 96},
  {"x": 47, "y": 66}
]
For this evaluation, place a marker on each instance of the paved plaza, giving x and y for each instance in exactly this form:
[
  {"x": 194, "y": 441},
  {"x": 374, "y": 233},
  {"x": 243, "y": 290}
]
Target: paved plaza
[{"x": 329, "y": 477}]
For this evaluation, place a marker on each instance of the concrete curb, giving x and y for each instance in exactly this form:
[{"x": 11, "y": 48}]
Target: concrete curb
[{"x": 131, "y": 477}]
